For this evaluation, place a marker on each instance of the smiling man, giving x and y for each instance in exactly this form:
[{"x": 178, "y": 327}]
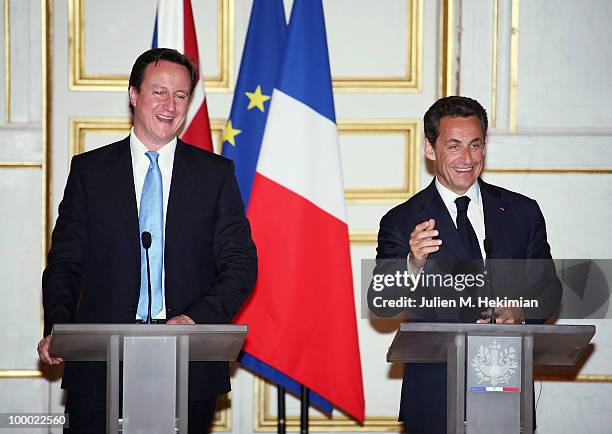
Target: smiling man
[
  {"x": 203, "y": 260},
  {"x": 449, "y": 221}
]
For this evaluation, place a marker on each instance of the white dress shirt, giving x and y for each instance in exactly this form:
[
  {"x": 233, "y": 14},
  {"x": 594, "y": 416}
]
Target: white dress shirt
[
  {"x": 475, "y": 213},
  {"x": 140, "y": 165},
  {"x": 475, "y": 210}
]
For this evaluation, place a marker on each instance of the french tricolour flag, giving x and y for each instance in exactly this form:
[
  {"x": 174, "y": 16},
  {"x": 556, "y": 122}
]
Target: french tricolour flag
[
  {"x": 301, "y": 316},
  {"x": 174, "y": 28}
]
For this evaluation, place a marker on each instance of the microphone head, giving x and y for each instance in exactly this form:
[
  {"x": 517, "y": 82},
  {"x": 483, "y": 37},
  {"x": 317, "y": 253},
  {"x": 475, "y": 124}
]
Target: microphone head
[
  {"x": 146, "y": 239},
  {"x": 488, "y": 245}
]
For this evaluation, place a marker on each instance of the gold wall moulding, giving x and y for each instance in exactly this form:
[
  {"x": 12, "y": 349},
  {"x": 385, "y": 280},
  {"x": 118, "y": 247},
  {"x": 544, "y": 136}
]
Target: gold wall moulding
[
  {"x": 20, "y": 373},
  {"x": 550, "y": 170},
  {"x": 494, "y": 60},
  {"x": 448, "y": 38},
  {"x": 20, "y": 165},
  {"x": 514, "y": 67},
  {"x": 81, "y": 127},
  {"x": 265, "y": 422},
  {"x": 222, "y": 422},
  {"x": 411, "y": 80},
  {"x": 584, "y": 378},
  {"x": 46, "y": 50},
  {"x": 7, "y": 62},
  {"x": 411, "y": 163},
  {"x": 445, "y": 58},
  {"x": 216, "y": 130},
  {"x": 363, "y": 237},
  {"x": 80, "y": 79}
]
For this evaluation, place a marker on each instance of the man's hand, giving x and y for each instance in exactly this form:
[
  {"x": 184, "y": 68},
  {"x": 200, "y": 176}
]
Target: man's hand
[
  {"x": 503, "y": 315},
  {"x": 181, "y": 319},
  {"x": 422, "y": 243},
  {"x": 43, "y": 352}
]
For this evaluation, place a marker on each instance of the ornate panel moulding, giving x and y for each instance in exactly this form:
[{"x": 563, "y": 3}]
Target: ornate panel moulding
[
  {"x": 409, "y": 129},
  {"x": 449, "y": 78},
  {"x": 514, "y": 69},
  {"x": 222, "y": 422},
  {"x": 265, "y": 422},
  {"x": 20, "y": 373},
  {"x": 551, "y": 170},
  {"x": 20, "y": 164},
  {"x": 411, "y": 80},
  {"x": 494, "y": 57},
  {"x": 445, "y": 59},
  {"x": 80, "y": 127},
  {"x": 80, "y": 79},
  {"x": 43, "y": 165},
  {"x": 7, "y": 62},
  {"x": 363, "y": 237}
]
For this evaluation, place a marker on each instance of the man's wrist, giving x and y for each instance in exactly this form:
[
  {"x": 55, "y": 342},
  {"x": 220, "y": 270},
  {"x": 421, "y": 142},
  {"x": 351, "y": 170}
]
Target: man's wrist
[{"x": 414, "y": 269}]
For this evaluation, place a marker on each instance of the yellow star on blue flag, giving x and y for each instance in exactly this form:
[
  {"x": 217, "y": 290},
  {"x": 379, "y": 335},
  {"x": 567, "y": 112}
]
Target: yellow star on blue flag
[
  {"x": 257, "y": 99},
  {"x": 230, "y": 133}
]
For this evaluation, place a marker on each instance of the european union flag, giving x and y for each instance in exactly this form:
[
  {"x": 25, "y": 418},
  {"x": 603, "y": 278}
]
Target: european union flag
[{"x": 261, "y": 59}]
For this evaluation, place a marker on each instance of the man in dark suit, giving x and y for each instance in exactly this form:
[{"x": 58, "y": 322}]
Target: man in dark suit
[
  {"x": 450, "y": 221},
  {"x": 206, "y": 263}
]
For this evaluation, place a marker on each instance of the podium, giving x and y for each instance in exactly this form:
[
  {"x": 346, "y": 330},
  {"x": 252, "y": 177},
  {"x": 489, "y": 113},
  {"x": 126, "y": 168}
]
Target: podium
[
  {"x": 155, "y": 366},
  {"x": 490, "y": 367}
]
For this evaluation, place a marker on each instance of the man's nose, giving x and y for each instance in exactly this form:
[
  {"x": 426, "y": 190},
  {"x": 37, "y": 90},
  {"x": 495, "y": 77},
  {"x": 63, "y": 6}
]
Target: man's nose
[
  {"x": 170, "y": 104},
  {"x": 465, "y": 155}
]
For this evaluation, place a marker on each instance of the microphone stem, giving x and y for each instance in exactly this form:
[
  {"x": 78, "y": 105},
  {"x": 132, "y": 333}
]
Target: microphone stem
[
  {"x": 490, "y": 278},
  {"x": 488, "y": 254},
  {"x": 148, "y": 287}
]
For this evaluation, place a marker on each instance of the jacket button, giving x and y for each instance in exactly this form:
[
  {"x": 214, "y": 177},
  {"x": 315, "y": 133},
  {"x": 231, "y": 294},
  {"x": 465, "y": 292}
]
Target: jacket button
[
  {"x": 138, "y": 274},
  {"x": 133, "y": 308}
]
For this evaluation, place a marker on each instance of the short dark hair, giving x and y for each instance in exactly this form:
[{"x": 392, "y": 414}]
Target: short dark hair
[
  {"x": 453, "y": 107},
  {"x": 155, "y": 55}
]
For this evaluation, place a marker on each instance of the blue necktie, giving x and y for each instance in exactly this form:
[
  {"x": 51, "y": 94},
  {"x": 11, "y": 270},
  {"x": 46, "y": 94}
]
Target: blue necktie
[{"x": 151, "y": 219}]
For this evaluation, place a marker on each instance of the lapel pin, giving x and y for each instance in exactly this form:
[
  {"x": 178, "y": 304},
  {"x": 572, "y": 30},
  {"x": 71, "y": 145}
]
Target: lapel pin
[{"x": 501, "y": 208}]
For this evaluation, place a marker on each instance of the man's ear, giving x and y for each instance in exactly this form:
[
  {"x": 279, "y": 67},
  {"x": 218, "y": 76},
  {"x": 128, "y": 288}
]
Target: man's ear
[
  {"x": 133, "y": 92},
  {"x": 429, "y": 150}
]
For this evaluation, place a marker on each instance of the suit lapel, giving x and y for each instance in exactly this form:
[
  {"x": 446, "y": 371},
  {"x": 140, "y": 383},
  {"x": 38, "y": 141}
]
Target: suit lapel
[
  {"x": 494, "y": 212},
  {"x": 121, "y": 184},
  {"x": 181, "y": 189},
  {"x": 436, "y": 209}
]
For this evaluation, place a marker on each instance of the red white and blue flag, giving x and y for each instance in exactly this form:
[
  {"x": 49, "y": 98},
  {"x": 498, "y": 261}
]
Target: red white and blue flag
[
  {"x": 174, "y": 28},
  {"x": 301, "y": 316}
]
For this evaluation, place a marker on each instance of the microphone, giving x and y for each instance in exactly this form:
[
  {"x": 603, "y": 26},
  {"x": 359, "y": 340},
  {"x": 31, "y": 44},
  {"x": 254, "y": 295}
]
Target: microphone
[
  {"x": 488, "y": 248},
  {"x": 146, "y": 244}
]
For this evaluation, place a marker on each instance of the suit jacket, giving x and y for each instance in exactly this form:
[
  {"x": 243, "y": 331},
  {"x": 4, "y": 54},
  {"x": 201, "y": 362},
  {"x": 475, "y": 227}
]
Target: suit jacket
[
  {"x": 93, "y": 271},
  {"x": 515, "y": 227}
]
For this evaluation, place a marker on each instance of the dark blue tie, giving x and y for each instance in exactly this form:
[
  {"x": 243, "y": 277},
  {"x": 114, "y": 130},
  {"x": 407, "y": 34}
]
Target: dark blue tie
[
  {"x": 465, "y": 229},
  {"x": 151, "y": 219}
]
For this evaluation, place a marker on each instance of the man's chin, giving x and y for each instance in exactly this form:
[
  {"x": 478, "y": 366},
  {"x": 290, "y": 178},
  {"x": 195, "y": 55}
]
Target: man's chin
[
  {"x": 166, "y": 136},
  {"x": 464, "y": 181}
]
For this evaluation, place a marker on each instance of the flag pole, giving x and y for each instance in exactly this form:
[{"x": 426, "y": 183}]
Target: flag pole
[
  {"x": 304, "y": 410},
  {"x": 282, "y": 424}
]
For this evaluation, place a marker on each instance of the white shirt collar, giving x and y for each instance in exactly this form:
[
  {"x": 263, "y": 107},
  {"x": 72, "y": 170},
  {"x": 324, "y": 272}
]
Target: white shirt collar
[
  {"x": 138, "y": 150},
  {"x": 449, "y": 196}
]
